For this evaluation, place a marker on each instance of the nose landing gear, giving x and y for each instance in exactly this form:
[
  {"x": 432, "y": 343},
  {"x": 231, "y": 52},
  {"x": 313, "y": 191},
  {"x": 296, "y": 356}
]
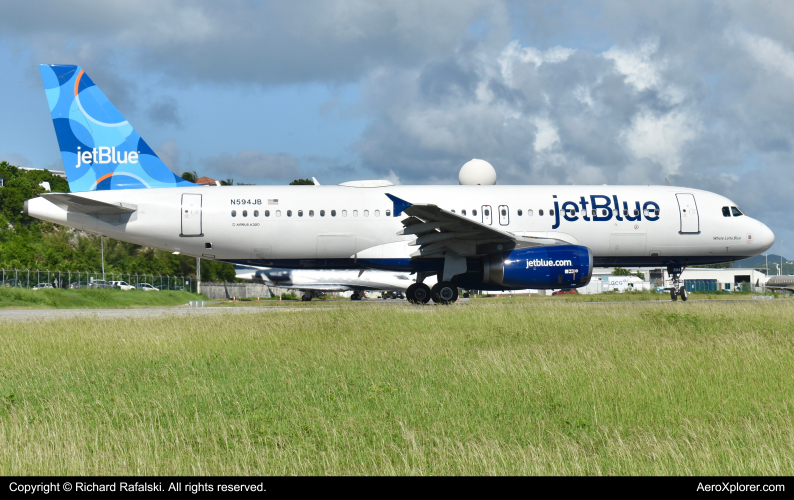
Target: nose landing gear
[{"x": 678, "y": 290}]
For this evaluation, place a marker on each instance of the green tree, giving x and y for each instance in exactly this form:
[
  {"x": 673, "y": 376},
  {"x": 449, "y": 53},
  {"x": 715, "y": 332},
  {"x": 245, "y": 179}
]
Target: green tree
[
  {"x": 619, "y": 271},
  {"x": 302, "y": 182},
  {"x": 33, "y": 244},
  {"x": 190, "y": 176}
]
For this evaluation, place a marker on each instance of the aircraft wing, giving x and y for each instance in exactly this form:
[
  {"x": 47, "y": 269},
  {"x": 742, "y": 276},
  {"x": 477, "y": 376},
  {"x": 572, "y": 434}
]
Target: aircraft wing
[
  {"x": 75, "y": 203},
  {"x": 438, "y": 230}
]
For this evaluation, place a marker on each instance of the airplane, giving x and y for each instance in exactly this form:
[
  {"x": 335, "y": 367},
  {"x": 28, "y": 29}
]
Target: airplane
[
  {"x": 490, "y": 237},
  {"x": 311, "y": 282},
  {"x": 780, "y": 283}
]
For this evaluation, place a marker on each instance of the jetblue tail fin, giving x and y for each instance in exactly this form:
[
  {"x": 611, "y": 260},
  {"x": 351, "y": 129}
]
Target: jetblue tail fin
[{"x": 100, "y": 149}]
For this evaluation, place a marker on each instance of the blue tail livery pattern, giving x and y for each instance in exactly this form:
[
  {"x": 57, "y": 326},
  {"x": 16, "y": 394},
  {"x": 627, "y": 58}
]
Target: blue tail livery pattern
[{"x": 100, "y": 149}]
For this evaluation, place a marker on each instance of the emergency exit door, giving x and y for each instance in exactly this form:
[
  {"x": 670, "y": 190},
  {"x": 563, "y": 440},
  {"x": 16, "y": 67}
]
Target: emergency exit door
[
  {"x": 191, "y": 215},
  {"x": 688, "y": 211},
  {"x": 486, "y": 214},
  {"x": 504, "y": 215}
]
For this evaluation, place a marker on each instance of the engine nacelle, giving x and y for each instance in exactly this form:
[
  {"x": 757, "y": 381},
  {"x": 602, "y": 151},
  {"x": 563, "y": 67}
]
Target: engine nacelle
[{"x": 561, "y": 266}]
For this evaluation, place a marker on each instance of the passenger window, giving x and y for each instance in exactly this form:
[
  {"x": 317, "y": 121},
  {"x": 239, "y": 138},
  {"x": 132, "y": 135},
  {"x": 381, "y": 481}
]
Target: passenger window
[
  {"x": 388, "y": 212},
  {"x": 463, "y": 212},
  {"x": 267, "y": 213},
  {"x": 333, "y": 213},
  {"x": 551, "y": 212},
  {"x": 540, "y": 212},
  {"x": 657, "y": 212},
  {"x": 595, "y": 213},
  {"x": 626, "y": 211},
  {"x": 474, "y": 213},
  {"x": 245, "y": 213},
  {"x": 453, "y": 210},
  {"x": 311, "y": 213},
  {"x": 636, "y": 212},
  {"x": 377, "y": 213},
  {"x": 256, "y": 213},
  {"x": 487, "y": 213},
  {"x": 322, "y": 213},
  {"x": 504, "y": 212},
  {"x": 278, "y": 213},
  {"x": 300, "y": 213},
  {"x": 289, "y": 213},
  {"x": 520, "y": 212},
  {"x": 366, "y": 213},
  {"x": 530, "y": 213},
  {"x": 234, "y": 213},
  {"x": 604, "y": 212},
  {"x": 726, "y": 212},
  {"x": 355, "y": 213},
  {"x": 736, "y": 212},
  {"x": 344, "y": 213}
]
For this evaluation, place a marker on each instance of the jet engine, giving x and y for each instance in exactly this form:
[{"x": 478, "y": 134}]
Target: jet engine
[{"x": 562, "y": 266}]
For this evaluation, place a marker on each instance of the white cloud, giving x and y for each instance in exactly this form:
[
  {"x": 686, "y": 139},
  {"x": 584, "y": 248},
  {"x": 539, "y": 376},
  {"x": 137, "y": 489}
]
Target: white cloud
[
  {"x": 636, "y": 65},
  {"x": 547, "y": 135},
  {"x": 769, "y": 53},
  {"x": 515, "y": 53},
  {"x": 660, "y": 138},
  {"x": 644, "y": 71}
]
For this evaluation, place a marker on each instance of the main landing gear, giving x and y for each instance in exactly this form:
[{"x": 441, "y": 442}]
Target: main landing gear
[
  {"x": 356, "y": 296},
  {"x": 444, "y": 293},
  {"x": 418, "y": 293},
  {"x": 678, "y": 290},
  {"x": 441, "y": 293}
]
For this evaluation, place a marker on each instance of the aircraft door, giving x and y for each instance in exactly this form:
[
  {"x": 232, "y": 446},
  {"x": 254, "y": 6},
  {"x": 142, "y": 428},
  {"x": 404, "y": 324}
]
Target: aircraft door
[
  {"x": 504, "y": 215},
  {"x": 191, "y": 215},
  {"x": 487, "y": 215},
  {"x": 688, "y": 211}
]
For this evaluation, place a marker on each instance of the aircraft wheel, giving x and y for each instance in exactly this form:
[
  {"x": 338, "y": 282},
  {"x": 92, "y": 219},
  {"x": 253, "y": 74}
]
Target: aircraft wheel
[
  {"x": 355, "y": 296},
  {"x": 444, "y": 293},
  {"x": 306, "y": 297},
  {"x": 421, "y": 294},
  {"x": 409, "y": 293},
  {"x": 673, "y": 295},
  {"x": 682, "y": 293}
]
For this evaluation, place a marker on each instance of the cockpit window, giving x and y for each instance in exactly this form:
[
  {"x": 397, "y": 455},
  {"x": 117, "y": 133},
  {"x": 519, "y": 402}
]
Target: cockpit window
[
  {"x": 736, "y": 212},
  {"x": 726, "y": 212}
]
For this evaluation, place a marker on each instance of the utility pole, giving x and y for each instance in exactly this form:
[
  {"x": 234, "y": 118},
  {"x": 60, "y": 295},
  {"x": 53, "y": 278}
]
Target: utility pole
[
  {"x": 198, "y": 274},
  {"x": 102, "y": 244}
]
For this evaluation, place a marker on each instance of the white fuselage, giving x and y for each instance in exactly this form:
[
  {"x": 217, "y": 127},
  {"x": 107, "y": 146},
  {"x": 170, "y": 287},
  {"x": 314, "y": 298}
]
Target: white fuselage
[
  {"x": 357, "y": 227},
  {"x": 326, "y": 280}
]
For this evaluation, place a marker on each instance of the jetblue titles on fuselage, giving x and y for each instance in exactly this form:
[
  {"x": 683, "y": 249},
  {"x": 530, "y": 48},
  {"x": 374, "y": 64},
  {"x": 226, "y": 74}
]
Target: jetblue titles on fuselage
[{"x": 603, "y": 208}]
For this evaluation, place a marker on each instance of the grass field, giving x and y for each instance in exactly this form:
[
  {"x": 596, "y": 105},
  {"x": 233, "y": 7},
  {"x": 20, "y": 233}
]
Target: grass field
[
  {"x": 490, "y": 387},
  {"x": 16, "y": 298}
]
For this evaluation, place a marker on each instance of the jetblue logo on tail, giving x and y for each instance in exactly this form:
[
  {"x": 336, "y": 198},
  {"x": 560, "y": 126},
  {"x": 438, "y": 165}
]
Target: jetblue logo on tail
[
  {"x": 99, "y": 147},
  {"x": 105, "y": 155}
]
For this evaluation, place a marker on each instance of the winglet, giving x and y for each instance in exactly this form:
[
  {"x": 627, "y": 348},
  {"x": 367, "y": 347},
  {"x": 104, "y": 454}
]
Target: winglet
[{"x": 399, "y": 205}]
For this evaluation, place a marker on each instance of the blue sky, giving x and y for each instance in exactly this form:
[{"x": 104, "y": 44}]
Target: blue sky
[{"x": 549, "y": 92}]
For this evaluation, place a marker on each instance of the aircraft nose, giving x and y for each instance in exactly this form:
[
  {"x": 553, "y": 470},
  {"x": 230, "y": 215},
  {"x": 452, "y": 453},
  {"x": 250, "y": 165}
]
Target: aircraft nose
[{"x": 765, "y": 238}]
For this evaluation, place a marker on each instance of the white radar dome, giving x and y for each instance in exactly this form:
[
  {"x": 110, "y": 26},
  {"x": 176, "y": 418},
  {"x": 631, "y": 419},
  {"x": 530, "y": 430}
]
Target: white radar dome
[{"x": 477, "y": 172}]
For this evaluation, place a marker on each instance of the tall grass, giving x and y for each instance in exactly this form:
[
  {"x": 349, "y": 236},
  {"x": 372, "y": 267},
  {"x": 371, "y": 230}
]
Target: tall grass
[
  {"x": 491, "y": 387},
  {"x": 14, "y": 297}
]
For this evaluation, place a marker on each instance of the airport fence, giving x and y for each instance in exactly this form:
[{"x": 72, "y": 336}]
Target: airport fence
[{"x": 38, "y": 278}]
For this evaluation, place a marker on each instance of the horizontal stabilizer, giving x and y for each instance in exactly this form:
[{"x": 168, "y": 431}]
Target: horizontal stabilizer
[{"x": 75, "y": 203}]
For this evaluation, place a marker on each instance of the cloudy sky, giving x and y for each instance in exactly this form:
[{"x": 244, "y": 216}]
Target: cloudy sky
[{"x": 557, "y": 92}]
